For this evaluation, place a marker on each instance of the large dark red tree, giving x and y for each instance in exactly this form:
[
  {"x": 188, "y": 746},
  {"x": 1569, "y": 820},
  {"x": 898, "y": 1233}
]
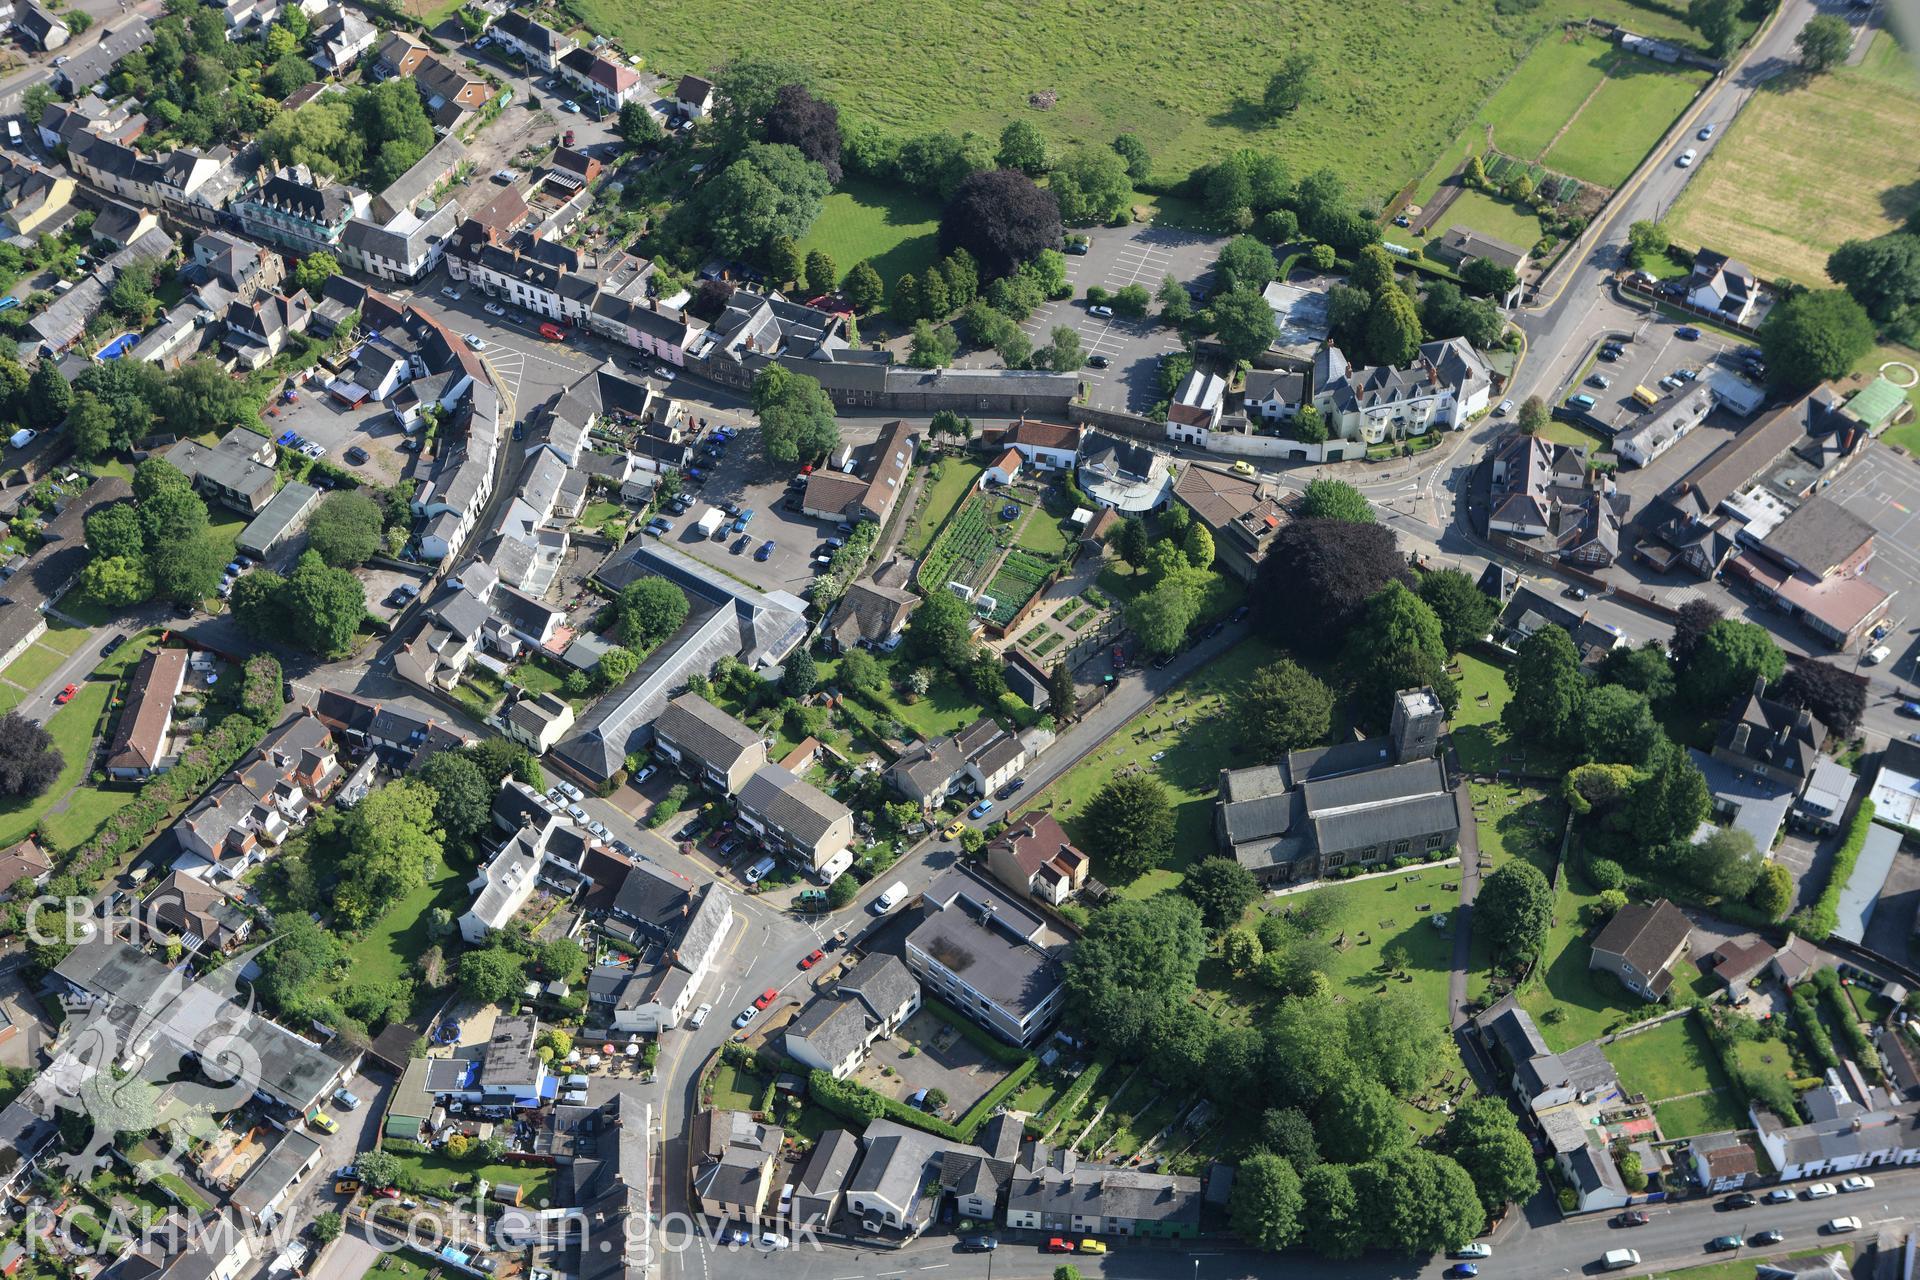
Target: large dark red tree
[
  {"x": 1002, "y": 219},
  {"x": 29, "y": 762},
  {"x": 809, "y": 124},
  {"x": 1319, "y": 575}
]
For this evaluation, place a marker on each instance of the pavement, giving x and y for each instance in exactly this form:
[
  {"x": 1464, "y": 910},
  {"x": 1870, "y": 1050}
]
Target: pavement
[{"x": 1676, "y": 1236}]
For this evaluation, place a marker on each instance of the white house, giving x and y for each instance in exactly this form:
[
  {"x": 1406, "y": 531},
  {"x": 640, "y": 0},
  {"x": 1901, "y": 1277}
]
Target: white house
[
  {"x": 1044, "y": 446},
  {"x": 1004, "y": 469},
  {"x": 1446, "y": 384},
  {"x": 1196, "y": 407},
  {"x": 1843, "y": 1133},
  {"x": 1723, "y": 285},
  {"x": 506, "y": 883},
  {"x": 868, "y": 1003}
]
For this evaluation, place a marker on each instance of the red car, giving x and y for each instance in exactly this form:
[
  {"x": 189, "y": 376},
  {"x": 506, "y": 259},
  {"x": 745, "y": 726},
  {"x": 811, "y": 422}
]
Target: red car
[
  {"x": 765, "y": 998},
  {"x": 65, "y": 695},
  {"x": 553, "y": 333},
  {"x": 1057, "y": 1245},
  {"x": 390, "y": 1193},
  {"x": 814, "y": 959}
]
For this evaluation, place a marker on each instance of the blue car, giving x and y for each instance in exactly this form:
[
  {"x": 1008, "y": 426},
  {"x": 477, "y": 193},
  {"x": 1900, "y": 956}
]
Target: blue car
[
  {"x": 766, "y": 549},
  {"x": 1462, "y": 1271},
  {"x": 1687, "y": 332},
  {"x": 981, "y": 810},
  {"x": 9, "y": 302}
]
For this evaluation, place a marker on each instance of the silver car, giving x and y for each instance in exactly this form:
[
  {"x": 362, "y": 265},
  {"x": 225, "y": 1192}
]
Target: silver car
[{"x": 575, "y": 812}]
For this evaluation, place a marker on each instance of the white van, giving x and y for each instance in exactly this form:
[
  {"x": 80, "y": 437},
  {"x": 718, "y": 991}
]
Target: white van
[
  {"x": 1619, "y": 1260},
  {"x": 895, "y": 894},
  {"x": 759, "y": 869}
]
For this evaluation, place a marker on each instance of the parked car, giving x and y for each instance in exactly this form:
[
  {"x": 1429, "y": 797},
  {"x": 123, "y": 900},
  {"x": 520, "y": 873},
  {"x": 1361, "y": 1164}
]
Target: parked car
[
  {"x": 812, "y": 958},
  {"x": 1765, "y": 1238},
  {"x": 474, "y": 340},
  {"x": 1687, "y": 333},
  {"x": 1779, "y": 1195},
  {"x": 1725, "y": 1244},
  {"x": 978, "y": 1244},
  {"x": 980, "y": 810},
  {"x": 1104, "y": 313},
  {"x": 107, "y": 649},
  {"x": 1502, "y": 409},
  {"x": 1631, "y": 1218},
  {"x": 1091, "y": 1246},
  {"x": 646, "y": 772},
  {"x": 1821, "y": 1191},
  {"x": 1841, "y": 1225},
  {"x": 1858, "y": 1182},
  {"x": 356, "y": 455},
  {"x": 1741, "y": 1200},
  {"x": 1098, "y": 362},
  {"x": 765, "y": 551},
  {"x": 65, "y": 695},
  {"x": 1477, "y": 1249},
  {"x": 1461, "y": 1271},
  {"x": 745, "y": 1016},
  {"x": 699, "y": 1016},
  {"x": 1057, "y": 1245}
]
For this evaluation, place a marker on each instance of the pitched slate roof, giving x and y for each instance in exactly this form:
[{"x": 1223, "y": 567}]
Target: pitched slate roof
[
  {"x": 140, "y": 739},
  {"x": 705, "y": 730},
  {"x": 1644, "y": 934},
  {"x": 793, "y": 804}
]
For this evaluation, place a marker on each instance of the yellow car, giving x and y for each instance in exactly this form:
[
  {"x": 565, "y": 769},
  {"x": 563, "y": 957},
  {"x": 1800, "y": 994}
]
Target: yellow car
[
  {"x": 323, "y": 1122},
  {"x": 954, "y": 829},
  {"x": 1091, "y": 1246},
  {"x": 1243, "y": 469}
]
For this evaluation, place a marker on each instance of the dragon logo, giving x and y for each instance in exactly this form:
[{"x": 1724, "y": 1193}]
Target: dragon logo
[{"x": 166, "y": 1060}]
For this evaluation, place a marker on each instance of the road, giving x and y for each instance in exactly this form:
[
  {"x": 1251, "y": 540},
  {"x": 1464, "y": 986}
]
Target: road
[{"x": 1676, "y": 1237}]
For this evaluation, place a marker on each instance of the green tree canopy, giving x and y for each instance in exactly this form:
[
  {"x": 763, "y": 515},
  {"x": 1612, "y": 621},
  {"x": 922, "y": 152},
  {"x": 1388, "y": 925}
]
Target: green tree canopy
[
  {"x": 1616, "y": 726},
  {"x": 1359, "y": 1120},
  {"x": 1466, "y": 613},
  {"x": 1130, "y": 821},
  {"x": 1326, "y": 499},
  {"x": 1283, "y": 708},
  {"x": 771, "y": 190},
  {"x": 463, "y": 798},
  {"x": 1223, "y": 890},
  {"x": 1732, "y": 655},
  {"x": 1824, "y": 44},
  {"x": 1514, "y": 911},
  {"x": 650, "y": 610},
  {"x": 1547, "y": 688},
  {"x": 1243, "y": 323},
  {"x": 347, "y": 529},
  {"x": 1265, "y": 1206},
  {"x": 1290, "y": 85},
  {"x": 796, "y": 416},
  {"x": 941, "y": 630},
  {"x": 1136, "y": 960},
  {"x": 1812, "y": 337},
  {"x": 492, "y": 975},
  {"x": 1483, "y": 1137}
]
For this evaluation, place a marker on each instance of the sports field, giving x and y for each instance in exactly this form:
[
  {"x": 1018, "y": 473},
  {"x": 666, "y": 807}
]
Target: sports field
[
  {"x": 864, "y": 220},
  {"x": 1807, "y": 165},
  {"x": 1395, "y": 79}
]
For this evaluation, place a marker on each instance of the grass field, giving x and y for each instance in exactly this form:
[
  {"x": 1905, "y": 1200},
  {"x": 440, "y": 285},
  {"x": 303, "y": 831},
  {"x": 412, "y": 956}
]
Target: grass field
[
  {"x": 72, "y": 727},
  {"x": 1191, "y": 767},
  {"x": 892, "y": 227},
  {"x": 443, "y": 1174},
  {"x": 1543, "y": 93},
  {"x": 1478, "y": 734},
  {"x": 32, "y": 667},
  {"x": 1807, "y": 165},
  {"x": 1494, "y": 215},
  {"x": 400, "y": 937},
  {"x": 1383, "y": 105},
  {"x": 1633, "y": 110},
  {"x": 1518, "y": 822},
  {"x": 1672, "y": 1059}
]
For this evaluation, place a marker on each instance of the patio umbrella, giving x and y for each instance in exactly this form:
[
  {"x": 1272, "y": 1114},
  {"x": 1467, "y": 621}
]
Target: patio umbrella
[
  {"x": 633, "y": 1051},
  {"x": 607, "y": 1049},
  {"x": 574, "y": 1056}
]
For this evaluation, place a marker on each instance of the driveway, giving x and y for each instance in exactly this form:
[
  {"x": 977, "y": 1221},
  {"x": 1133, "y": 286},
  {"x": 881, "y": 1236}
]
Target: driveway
[{"x": 348, "y": 1258}]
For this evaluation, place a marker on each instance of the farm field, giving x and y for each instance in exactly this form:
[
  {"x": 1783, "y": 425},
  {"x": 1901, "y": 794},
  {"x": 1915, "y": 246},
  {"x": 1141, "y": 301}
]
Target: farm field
[
  {"x": 1543, "y": 93},
  {"x": 1153, "y": 68},
  {"x": 893, "y": 228},
  {"x": 1632, "y": 111},
  {"x": 1807, "y": 166}
]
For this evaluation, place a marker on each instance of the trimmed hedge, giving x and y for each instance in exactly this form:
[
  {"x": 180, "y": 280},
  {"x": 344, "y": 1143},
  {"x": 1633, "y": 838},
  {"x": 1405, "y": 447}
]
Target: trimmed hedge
[
  {"x": 1842, "y": 1008},
  {"x": 1069, "y": 1103},
  {"x": 973, "y": 1033},
  {"x": 1819, "y": 1044},
  {"x": 858, "y": 1103},
  {"x": 1818, "y": 922}
]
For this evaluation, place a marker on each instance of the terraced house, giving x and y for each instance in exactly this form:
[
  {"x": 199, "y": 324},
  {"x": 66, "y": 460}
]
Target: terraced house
[{"x": 304, "y": 213}]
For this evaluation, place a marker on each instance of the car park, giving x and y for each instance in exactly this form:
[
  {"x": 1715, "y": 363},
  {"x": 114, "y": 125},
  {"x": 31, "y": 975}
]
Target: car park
[
  {"x": 1599, "y": 380},
  {"x": 356, "y": 455},
  {"x": 741, "y": 543},
  {"x": 1098, "y": 362},
  {"x": 1104, "y": 313},
  {"x": 765, "y": 552},
  {"x": 1687, "y": 333},
  {"x": 1461, "y": 1271}
]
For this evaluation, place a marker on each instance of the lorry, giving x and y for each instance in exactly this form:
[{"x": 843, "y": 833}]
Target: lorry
[{"x": 711, "y": 522}]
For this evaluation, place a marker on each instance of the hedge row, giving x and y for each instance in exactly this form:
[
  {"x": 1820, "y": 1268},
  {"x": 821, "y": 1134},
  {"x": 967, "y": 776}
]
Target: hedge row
[
  {"x": 1842, "y": 1008},
  {"x": 1769, "y": 1089},
  {"x": 1819, "y": 922},
  {"x": 862, "y": 1105},
  {"x": 1068, "y": 1104},
  {"x": 982, "y": 1111},
  {"x": 974, "y": 1034},
  {"x": 1819, "y": 1044}
]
